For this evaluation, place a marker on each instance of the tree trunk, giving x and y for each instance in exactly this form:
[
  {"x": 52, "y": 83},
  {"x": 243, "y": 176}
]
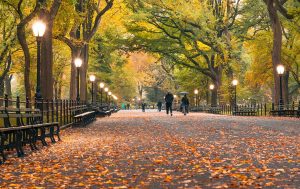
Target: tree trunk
[
  {"x": 8, "y": 85},
  {"x": 47, "y": 58},
  {"x": 83, "y": 73},
  {"x": 285, "y": 87},
  {"x": 217, "y": 83},
  {"x": 55, "y": 85},
  {"x": 47, "y": 50},
  {"x": 276, "y": 51},
  {"x": 1, "y": 89},
  {"x": 22, "y": 40}
]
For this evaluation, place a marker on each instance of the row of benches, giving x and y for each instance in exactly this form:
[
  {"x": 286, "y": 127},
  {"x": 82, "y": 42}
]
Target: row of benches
[{"x": 24, "y": 127}]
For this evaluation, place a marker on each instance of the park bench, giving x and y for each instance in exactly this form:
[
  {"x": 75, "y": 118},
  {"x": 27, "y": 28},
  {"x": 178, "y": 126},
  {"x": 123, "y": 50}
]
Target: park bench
[
  {"x": 22, "y": 127},
  {"x": 103, "y": 111},
  {"x": 245, "y": 111},
  {"x": 82, "y": 116}
]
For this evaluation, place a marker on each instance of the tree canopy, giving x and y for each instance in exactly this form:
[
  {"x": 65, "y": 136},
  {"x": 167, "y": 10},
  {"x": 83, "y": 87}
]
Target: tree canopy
[{"x": 141, "y": 49}]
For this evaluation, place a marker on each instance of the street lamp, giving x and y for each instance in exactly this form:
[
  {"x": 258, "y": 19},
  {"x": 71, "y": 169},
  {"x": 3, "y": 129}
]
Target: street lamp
[
  {"x": 196, "y": 92},
  {"x": 92, "y": 79},
  {"x": 78, "y": 63},
  {"x": 38, "y": 29},
  {"x": 235, "y": 83},
  {"x": 101, "y": 85},
  {"x": 109, "y": 98},
  {"x": 175, "y": 105},
  {"x": 106, "y": 91},
  {"x": 211, "y": 87},
  {"x": 280, "y": 70},
  {"x": 115, "y": 98}
]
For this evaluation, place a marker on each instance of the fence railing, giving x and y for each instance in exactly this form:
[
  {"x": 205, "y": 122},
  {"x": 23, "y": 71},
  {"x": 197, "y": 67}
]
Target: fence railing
[
  {"x": 291, "y": 110},
  {"x": 56, "y": 110}
]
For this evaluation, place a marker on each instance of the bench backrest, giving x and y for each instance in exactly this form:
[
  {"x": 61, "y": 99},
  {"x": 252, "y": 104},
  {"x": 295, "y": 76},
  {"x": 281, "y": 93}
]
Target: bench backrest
[
  {"x": 78, "y": 109},
  {"x": 19, "y": 117},
  {"x": 32, "y": 116},
  {"x": 14, "y": 116},
  {"x": 3, "y": 117}
]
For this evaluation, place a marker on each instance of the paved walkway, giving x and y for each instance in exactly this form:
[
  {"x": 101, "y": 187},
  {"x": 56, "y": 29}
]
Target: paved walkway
[{"x": 132, "y": 149}]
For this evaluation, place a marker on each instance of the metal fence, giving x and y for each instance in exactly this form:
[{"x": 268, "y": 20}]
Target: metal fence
[{"x": 290, "y": 110}]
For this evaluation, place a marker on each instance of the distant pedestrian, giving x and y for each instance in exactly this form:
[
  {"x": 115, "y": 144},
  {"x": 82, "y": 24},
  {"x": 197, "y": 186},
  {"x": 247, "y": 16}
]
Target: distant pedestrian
[
  {"x": 128, "y": 106},
  {"x": 185, "y": 104},
  {"x": 169, "y": 101},
  {"x": 143, "y": 106},
  {"x": 159, "y": 105},
  {"x": 123, "y": 106}
]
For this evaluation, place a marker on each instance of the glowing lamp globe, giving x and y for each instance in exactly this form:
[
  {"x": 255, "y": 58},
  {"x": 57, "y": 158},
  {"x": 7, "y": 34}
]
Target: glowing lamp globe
[
  {"x": 92, "y": 78},
  {"x": 101, "y": 85},
  {"x": 235, "y": 82},
  {"x": 280, "y": 69},
  {"x": 196, "y": 91},
  {"x": 78, "y": 62},
  {"x": 38, "y": 28}
]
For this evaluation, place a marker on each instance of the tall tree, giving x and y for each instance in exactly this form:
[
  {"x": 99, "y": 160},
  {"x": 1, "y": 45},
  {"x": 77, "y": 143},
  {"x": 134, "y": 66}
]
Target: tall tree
[
  {"x": 199, "y": 41},
  {"x": 21, "y": 35},
  {"x": 80, "y": 35},
  {"x": 274, "y": 7}
]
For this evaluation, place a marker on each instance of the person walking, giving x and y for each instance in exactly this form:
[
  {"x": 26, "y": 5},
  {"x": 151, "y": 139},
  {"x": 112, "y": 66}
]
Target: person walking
[
  {"x": 185, "y": 104},
  {"x": 159, "y": 105},
  {"x": 169, "y": 101},
  {"x": 143, "y": 106}
]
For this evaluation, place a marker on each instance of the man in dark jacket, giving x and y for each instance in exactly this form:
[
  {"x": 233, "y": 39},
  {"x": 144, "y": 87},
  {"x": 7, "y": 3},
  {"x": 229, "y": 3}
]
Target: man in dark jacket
[{"x": 169, "y": 101}]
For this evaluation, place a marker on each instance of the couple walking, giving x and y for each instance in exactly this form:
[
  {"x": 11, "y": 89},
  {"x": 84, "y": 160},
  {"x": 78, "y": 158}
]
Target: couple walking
[{"x": 169, "y": 101}]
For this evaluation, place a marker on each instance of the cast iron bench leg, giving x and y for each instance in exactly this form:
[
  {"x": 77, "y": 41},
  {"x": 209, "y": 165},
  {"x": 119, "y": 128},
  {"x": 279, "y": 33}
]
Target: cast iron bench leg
[
  {"x": 51, "y": 129},
  {"x": 57, "y": 133},
  {"x": 43, "y": 136},
  {"x": 2, "y": 139},
  {"x": 18, "y": 144}
]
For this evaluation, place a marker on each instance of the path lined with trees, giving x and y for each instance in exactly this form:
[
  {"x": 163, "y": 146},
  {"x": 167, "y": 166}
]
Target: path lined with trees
[{"x": 135, "y": 149}]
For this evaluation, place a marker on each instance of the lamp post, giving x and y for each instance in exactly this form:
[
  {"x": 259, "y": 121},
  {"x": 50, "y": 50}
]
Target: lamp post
[
  {"x": 196, "y": 92},
  {"x": 115, "y": 98},
  {"x": 78, "y": 63},
  {"x": 235, "y": 83},
  {"x": 211, "y": 87},
  {"x": 280, "y": 70},
  {"x": 101, "y": 85},
  {"x": 109, "y": 96},
  {"x": 38, "y": 29},
  {"x": 92, "y": 79},
  {"x": 106, "y": 91}
]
